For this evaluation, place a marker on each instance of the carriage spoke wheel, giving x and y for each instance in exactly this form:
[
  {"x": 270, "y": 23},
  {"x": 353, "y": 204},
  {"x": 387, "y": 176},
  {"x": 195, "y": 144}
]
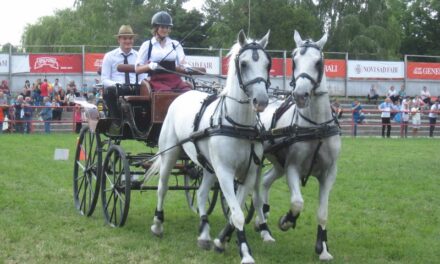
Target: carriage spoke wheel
[
  {"x": 193, "y": 178},
  {"x": 115, "y": 186},
  {"x": 248, "y": 209},
  {"x": 86, "y": 172}
]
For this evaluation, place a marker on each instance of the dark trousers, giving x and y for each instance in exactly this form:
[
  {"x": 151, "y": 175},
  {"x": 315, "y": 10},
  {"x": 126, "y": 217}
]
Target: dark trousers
[
  {"x": 432, "y": 122},
  {"x": 386, "y": 122},
  {"x": 404, "y": 131},
  {"x": 110, "y": 97}
]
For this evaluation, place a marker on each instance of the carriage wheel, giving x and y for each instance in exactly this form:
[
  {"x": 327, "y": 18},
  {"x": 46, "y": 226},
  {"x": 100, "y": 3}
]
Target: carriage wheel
[
  {"x": 193, "y": 178},
  {"x": 248, "y": 207},
  {"x": 115, "y": 186},
  {"x": 86, "y": 171}
]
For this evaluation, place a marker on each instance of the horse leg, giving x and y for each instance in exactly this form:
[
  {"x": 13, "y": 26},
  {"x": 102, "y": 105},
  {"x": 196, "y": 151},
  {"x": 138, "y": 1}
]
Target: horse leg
[
  {"x": 260, "y": 219},
  {"x": 237, "y": 217},
  {"x": 325, "y": 185},
  {"x": 269, "y": 178},
  {"x": 167, "y": 163},
  {"x": 296, "y": 201},
  {"x": 204, "y": 238}
]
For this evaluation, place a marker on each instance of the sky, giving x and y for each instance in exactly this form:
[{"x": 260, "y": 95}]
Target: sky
[{"x": 16, "y": 14}]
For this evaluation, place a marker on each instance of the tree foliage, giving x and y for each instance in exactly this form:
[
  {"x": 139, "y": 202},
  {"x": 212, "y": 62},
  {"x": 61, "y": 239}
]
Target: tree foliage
[{"x": 364, "y": 28}]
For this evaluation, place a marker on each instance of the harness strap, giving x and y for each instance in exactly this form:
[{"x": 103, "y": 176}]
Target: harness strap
[{"x": 315, "y": 156}]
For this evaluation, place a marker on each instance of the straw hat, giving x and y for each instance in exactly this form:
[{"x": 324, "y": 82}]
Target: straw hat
[{"x": 125, "y": 30}]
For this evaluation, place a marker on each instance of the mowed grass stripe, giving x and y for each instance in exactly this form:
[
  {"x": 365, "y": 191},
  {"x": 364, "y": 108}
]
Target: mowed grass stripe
[{"x": 384, "y": 208}]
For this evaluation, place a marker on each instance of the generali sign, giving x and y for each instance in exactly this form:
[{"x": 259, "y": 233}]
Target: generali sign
[
  {"x": 423, "y": 70},
  {"x": 376, "y": 69}
]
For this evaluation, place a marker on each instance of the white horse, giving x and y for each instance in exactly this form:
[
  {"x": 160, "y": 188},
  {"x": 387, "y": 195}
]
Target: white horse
[
  {"x": 226, "y": 141},
  {"x": 305, "y": 140}
]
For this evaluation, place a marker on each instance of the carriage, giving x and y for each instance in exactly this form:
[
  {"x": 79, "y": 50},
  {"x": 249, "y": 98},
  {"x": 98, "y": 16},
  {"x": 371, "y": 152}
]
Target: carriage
[{"x": 103, "y": 167}]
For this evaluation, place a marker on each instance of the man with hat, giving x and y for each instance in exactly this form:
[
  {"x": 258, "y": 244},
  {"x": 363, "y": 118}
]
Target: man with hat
[{"x": 111, "y": 78}]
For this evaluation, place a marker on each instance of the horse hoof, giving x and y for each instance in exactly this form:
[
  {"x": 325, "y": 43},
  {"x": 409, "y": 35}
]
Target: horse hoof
[
  {"x": 218, "y": 246},
  {"x": 156, "y": 231},
  {"x": 204, "y": 244},
  {"x": 325, "y": 256},
  {"x": 283, "y": 224},
  {"x": 267, "y": 238}
]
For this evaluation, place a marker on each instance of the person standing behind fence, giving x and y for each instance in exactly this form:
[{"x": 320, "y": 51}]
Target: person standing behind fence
[
  {"x": 27, "y": 89},
  {"x": 36, "y": 92},
  {"x": 386, "y": 108},
  {"x": 3, "y": 109},
  {"x": 392, "y": 94},
  {"x": 358, "y": 115},
  {"x": 416, "y": 117},
  {"x": 405, "y": 112},
  {"x": 433, "y": 114},
  {"x": 19, "y": 114},
  {"x": 44, "y": 88},
  {"x": 78, "y": 118},
  {"x": 46, "y": 114},
  {"x": 5, "y": 88},
  {"x": 28, "y": 111}
]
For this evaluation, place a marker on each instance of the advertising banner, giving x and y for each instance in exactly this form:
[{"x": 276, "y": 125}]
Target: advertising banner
[
  {"x": 93, "y": 61},
  {"x": 376, "y": 69},
  {"x": 211, "y": 64},
  {"x": 47, "y": 63},
  {"x": 335, "y": 68},
  {"x": 20, "y": 64},
  {"x": 423, "y": 70},
  {"x": 4, "y": 63}
]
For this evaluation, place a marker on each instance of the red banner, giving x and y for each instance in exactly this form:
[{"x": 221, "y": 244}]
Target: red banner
[
  {"x": 335, "y": 68},
  {"x": 93, "y": 61},
  {"x": 423, "y": 70},
  {"x": 47, "y": 63}
]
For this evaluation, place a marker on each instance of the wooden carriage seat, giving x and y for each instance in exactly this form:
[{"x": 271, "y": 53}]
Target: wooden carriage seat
[{"x": 144, "y": 89}]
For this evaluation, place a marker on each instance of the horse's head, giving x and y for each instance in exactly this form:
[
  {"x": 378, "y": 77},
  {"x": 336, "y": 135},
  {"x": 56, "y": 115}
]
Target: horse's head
[
  {"x": 252, "y": 65},
  {"x": 308, "y": 69}
]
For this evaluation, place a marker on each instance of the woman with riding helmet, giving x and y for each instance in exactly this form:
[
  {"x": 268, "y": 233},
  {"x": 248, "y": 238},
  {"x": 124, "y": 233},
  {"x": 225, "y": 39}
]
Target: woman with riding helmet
[{"x": 160, "y": 56}]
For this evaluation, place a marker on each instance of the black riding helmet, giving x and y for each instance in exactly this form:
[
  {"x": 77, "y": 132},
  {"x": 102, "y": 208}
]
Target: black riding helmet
[{"x": 162, "y": 18}]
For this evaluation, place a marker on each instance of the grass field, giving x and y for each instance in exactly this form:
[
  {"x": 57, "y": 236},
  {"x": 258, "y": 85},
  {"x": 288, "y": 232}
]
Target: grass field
[{"x": 384, "y": 208}]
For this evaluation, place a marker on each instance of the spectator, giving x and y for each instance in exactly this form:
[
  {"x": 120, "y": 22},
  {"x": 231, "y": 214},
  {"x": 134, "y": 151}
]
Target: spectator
[
  {"x": 36, "y": 92},
  {"x": 392, "y": 94},
  {"x": 46, "y": 114},
  {"x": 373, "y": 95},
  {"x": 5, "y": 88},
  {"x": 27, "y": 89},
  {"x": 433, "y": 114},
  {"x": 28, "y": 112},
  {"x": 19, "y": 114},
  {"x": 57, "y": 86},
  {"x": 386, "y": 108},
  {"x": 336, "y": 107},
  {"x": 83, "y": 91},
  {"x": 3, "y": 109},
  {"x": 358, "y": 115},
  {"x": 402, "y": 92},
  {"x": 416, "y": 117},
  {"x": 44, "y": 88},
  {"x": 78, "y": 118},
  {"x": 70, "y": 98},
  {"x": 426, "y": 96},
  {"x": 57, "y": 111},
  {"x": 418, "y": 101},
  {"x": 405, "y": 113}
]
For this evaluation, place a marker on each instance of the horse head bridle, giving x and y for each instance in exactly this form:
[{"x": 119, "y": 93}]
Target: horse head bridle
[
  {"x": 254, "y": 47},
  {"x": 319, "y": 66}
]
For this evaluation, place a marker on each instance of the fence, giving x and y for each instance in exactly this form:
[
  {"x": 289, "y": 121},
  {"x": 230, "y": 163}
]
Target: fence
[{"x": 344, "y": 77}]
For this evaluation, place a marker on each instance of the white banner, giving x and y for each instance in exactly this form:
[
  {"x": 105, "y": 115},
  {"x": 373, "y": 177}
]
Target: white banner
[
  {"x": 376, "y": 69},
  {"x": 20, "y": 64},
  {"x": 4, "y": 63},
  {"x": 211, "y": 64}
]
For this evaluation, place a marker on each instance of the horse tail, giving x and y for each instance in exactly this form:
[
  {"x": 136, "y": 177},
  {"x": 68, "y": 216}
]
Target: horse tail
[{"x": 154, "y": 168}]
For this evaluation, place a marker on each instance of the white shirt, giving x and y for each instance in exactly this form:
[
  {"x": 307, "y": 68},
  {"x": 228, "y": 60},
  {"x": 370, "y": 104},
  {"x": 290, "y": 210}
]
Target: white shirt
[
  {"x": 109, "y": 73},
  {"x": 425, "y": 95},
  {"x": 158, "y": 52},
  {"x": 386, "y": 109},
  {"x": 434, "y": 108},
  {"x": 392, "y": 93}
]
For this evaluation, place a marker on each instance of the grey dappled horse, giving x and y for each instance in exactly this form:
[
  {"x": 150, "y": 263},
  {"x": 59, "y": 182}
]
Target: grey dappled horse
[
  {"x": 227, "y": 154},
  {"x": 306, "y": 142}
]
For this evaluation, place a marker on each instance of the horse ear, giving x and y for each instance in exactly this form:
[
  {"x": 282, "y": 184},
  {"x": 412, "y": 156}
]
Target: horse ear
[
  {"x": 297, "y": 38},
  {"x": 242, "y": 38},
  {"x": 322, "y": 41},
  {"x": 265, "y": 40}
]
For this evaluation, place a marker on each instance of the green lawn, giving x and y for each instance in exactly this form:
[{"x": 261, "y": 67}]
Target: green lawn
[{"x": 384, "y": 208}]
